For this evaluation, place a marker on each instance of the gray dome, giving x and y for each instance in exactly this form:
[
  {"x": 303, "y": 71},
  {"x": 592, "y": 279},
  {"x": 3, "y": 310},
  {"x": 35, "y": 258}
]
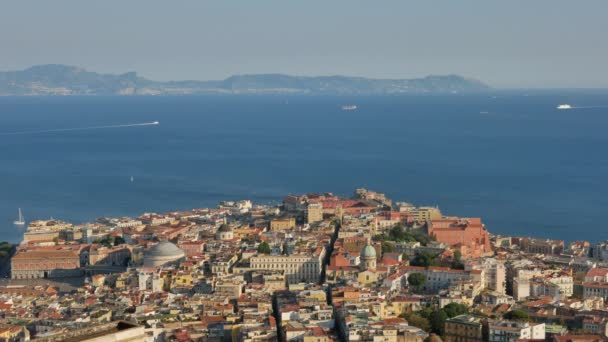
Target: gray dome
[
  {"x": 224, "y": 228},
  {"x": 165, "y": 249}
]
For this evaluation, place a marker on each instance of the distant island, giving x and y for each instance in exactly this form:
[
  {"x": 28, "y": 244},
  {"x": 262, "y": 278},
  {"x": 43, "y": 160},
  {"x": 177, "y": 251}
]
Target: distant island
[{"x": 56, "y": 79}]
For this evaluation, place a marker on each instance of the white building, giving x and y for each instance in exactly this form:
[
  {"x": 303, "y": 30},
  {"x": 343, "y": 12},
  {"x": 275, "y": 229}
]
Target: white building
[
  {"x": 493, "y": 274},
  {"x": 510, "y": 331},
  {"x": 297, "y": 267}
]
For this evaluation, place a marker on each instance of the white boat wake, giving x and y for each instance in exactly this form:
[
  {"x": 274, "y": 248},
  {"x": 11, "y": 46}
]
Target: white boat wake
[{"x": 81, "y": 128}]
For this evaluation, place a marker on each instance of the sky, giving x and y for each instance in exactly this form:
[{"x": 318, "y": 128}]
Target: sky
[{"x": 510, "y": 44}]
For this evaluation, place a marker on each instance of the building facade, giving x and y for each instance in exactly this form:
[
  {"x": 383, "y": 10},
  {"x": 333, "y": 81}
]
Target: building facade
[
  {"x": 49, "y": 263},
  {"x": 297, "y": 267}
]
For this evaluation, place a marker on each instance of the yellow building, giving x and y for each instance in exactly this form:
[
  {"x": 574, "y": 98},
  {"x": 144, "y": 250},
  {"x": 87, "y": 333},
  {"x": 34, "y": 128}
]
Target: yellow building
[
  {"x": 182, "y": 278},
  {"x": 283, "y": 223},
  {"x": 314, "y": 213},
  {"x": 13, "y": 333},
  {"x": 422, "y": 214},
  {"x": 41, "y": 235}
]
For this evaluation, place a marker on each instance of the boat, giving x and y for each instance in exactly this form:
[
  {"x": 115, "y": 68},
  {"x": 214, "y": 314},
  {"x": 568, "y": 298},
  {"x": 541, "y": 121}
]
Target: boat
[
  {"x": 349, "y": 107},
  {"x": 132, "y": 178},
  {"x": 20, "y": 221},
  {"x": 564, "y": 106}
]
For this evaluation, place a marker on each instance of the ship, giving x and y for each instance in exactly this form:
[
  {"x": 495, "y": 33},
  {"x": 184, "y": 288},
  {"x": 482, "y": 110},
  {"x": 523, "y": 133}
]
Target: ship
[
  {"x": 349, "y": 107},
  {"x": 564, "y": 106},
  {"x": 21, "y": 220}
]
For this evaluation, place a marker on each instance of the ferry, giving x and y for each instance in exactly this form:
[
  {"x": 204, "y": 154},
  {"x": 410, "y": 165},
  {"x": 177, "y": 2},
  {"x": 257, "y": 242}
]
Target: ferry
[
  {"x": 564, "y": 106},
  {"x": 349, "y": 107}
]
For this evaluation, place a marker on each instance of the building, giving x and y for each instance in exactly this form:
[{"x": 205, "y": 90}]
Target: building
[
  {"x": 493, "y": 273},
  {"x": 596, "y": 283},
  {"x": 296, "y": 267},
  {"x": 114, "y": 256},
  {"x": 464, "y": 328},
  {"x": 541, "y": 246},
  {"x": 163, "y": 254},
  {"x": 314, "y": 213},
  {"x": 46, "y": 225},
  {"x": 13, "y": 333},
  {"x": 521, "y": 288},
  {"x": 224, "y": 232},
  {"x": 367, "y": 266},
  {"x": 284, "y": 223},
  {"x": 114, "y": 331},
  {"x": 192, "y": 247},
  {"x": 469, "y": 235},
  {"x": 46, "y": 263},
  {"x": 41, "y": 235},
  {"x": 423, "y": 214},
  {"x": 511, "y": 331},
  {"x": 368, "y": 258},
  {"x": 369, "y": 195},
  {"x": 600, "y": 250},
  {"x": 579, "y": 338}
]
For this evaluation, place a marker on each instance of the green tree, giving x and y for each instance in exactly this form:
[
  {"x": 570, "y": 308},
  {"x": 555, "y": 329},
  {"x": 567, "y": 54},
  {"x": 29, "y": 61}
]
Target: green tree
[
  {"x": 264, "y": 248},
  {"x": 119, "y": 241},
  {"x": 398, "y": 233},
  {"x": 425, "y": 259},
  {"x": 517, "y": 315},
  {"x": 417, "y": 281},
  {"x": 457, "y": 261},
  {"x": 437, "y": 319},
  {"x": 387, "y": 247},
  {"x": 455, "y": 309},
  {"x": 416, "y": 320}
]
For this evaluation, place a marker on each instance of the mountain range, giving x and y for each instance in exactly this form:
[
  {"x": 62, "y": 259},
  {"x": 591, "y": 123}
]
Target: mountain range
[{"x": 56, "y": 79}]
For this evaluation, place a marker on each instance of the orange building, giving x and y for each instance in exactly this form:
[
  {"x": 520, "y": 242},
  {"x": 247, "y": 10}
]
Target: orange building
[{"x": 468, "y": 235}]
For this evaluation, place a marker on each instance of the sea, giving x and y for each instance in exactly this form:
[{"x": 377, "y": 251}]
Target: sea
[{"x": 509, "y": 157}]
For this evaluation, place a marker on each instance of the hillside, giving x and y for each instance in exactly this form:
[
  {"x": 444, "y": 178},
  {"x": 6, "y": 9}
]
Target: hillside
[{"x": 54, "y": 79}]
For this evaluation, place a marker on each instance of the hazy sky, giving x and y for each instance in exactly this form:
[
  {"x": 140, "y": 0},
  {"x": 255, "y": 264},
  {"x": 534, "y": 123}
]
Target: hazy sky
[{"x": 539, "y": 43}]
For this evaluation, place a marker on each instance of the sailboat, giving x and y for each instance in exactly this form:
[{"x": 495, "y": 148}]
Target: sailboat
[{"x": 21, "y": 220}]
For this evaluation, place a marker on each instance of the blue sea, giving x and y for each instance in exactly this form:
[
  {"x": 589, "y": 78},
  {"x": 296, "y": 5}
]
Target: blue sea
[{"x": 509, "y": 157}]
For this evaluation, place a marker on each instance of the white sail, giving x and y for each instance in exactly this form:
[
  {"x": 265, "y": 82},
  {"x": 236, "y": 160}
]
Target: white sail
[{"x": 21, "y": 220}]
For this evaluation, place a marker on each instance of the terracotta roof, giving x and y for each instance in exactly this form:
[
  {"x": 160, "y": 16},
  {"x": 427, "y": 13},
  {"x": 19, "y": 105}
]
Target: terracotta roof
[{"x": 597, "y": 272}]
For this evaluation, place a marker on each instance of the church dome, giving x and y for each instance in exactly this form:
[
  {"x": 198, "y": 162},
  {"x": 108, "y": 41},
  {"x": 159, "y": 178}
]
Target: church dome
[
  {"x": 163, "y": 253},
  {"x": 224, "y": 228},
  {"x": 368, "y": 252}
]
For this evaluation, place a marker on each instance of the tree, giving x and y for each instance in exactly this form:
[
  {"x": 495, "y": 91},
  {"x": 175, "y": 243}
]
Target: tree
[
  {"x": 417, "y": 281},
  {"x": 437, "y": 319},
  {"x": 264, "y": 248},
  {"x": 416, "y": 320},
  {"x": 517, "y": 315},
  {"x": 425, "y": 259},
  {"x": 119, "y": 241},
  {"x": 397, "y": 233},
  {"x": 455, "y": 309},
  {"x": 387, "y": 247},
  {"x": 457, "y": 261}
]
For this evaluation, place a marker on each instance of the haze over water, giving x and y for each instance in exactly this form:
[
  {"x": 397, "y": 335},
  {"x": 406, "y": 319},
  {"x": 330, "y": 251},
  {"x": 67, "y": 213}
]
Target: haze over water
[{"x": 514, "y": 160}]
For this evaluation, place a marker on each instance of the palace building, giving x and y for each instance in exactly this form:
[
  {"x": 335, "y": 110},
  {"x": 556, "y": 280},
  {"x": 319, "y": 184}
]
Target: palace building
[{"x": 53, "y": 262}]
